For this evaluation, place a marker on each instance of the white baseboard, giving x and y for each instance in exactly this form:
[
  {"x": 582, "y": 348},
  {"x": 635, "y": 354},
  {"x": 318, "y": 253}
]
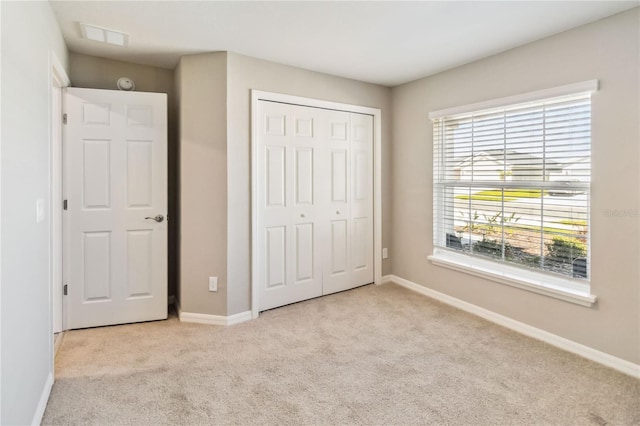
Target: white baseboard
[
  {"x": 44, "y": 398},
  {"x": 212, "y": 319},
  {"x": 603, "y": 358},
  {"x": 238, "y": 318},
  {"x": 57, "y": 342}
]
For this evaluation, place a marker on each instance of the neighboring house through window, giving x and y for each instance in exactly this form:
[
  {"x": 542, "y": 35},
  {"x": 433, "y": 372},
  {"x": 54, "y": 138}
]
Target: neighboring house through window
[{"x": 512, "y": 185}]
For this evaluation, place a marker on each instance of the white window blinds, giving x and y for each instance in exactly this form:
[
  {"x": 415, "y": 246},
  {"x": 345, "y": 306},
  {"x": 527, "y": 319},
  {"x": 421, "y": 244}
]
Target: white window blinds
[{"x": 511, "y": 184}]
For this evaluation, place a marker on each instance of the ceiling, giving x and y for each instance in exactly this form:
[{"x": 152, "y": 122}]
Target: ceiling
[{"x": 387, "y": 43}]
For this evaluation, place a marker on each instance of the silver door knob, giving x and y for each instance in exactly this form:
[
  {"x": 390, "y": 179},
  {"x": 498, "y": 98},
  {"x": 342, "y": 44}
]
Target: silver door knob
[{"x": 158, "y": 218}]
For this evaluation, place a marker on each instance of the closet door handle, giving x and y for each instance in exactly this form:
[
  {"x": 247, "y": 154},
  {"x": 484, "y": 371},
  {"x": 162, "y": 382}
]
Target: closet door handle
[
  {"x": 301, "y": 214},
  {"x": 337, "y": 211}
]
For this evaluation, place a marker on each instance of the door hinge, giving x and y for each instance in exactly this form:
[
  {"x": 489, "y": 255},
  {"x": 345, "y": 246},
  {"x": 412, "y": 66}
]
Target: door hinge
[
  {"x": 64, "y": 289},
  {"x": 64, "y": 204},
  {"x": 64, "y": 118}
]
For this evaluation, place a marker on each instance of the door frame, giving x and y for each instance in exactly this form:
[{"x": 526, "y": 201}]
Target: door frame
[
  {"x": 258, "y": 95},
  {"x": 59, "y": 80}
]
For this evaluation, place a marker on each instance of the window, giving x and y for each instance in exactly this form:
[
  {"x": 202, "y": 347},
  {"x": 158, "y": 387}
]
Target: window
[{"x": 512, "y": 180}]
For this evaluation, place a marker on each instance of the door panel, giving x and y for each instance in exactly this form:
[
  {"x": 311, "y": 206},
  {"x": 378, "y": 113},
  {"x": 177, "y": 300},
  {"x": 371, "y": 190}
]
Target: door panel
[
  {"x": 359, "y": 246},
  {"x": 275, "y": 123},
  {"x": 115, "y": 176},
  {"x": 139, "y": 261},
  {"x": 338, "y": 175},
  {"x": 304, "y": 252},
  {"x": 276, "y": 187},
  {"x": 336, "y": 209},
  {"x": 139, "y": 173},
  {"x": 97, "y": 266},
  {"x": 304, "y": 176},
  {"x": 94, "y": 113},
  {"x": 361, "y": 199},
  {"x": 276, "y": 256},
  {"x": 338, "y": 247},
  {"x": 339, "y": 126},
  {"x": 304, "y": 127},
  {"x": 361, "y": 177},
  {"x": 96, "y": 171},
  {"x": 139, "y": 115}
]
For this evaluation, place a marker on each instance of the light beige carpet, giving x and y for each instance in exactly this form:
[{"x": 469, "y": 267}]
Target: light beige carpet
[{"x": 376, "y": 355}]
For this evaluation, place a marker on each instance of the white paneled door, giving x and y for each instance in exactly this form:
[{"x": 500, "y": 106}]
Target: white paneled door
[
  {"x": 315, "y": 202},
  {"x": 349, "y": 207},
  {"x": 290, "y": 237},
  {"x": 115, "y": 149}
]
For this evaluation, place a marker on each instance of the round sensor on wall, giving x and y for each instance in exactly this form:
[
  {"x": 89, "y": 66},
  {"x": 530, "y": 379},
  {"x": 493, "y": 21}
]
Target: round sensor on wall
[{"x": 125, "y": 83}]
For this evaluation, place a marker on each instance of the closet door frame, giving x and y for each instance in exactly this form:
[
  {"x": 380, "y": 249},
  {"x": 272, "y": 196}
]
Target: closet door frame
[{"x": 258, "y": 95}]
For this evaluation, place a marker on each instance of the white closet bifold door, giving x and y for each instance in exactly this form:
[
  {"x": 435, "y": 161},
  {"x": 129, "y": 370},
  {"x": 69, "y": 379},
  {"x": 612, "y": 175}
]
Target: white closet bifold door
[{"x": 315, "y": 202}]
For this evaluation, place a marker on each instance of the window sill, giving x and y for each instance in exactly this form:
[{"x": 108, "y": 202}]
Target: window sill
[{"x": 557, "y": 287}]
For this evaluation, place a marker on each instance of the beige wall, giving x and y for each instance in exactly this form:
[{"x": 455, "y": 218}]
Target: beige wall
[
  {"x": 100, "y": 73},
  {"x": 29, "y": 36},
  {"x": 202, "y": 88},
  {"x": 607, "y": 50},
  {"x": 244, "y": 74}
]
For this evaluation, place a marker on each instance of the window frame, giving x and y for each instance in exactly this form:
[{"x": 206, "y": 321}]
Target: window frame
[{"x": 537, "y": 281}]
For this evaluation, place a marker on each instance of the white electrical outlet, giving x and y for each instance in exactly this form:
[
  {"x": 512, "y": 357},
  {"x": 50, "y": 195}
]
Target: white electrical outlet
[
  {"x": 213, "y": 283},
  {"x": 385, "y": 253}
]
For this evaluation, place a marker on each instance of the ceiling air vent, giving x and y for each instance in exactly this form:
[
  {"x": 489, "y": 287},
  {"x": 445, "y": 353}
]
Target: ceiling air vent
[{"x": 104, "y": 35}]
